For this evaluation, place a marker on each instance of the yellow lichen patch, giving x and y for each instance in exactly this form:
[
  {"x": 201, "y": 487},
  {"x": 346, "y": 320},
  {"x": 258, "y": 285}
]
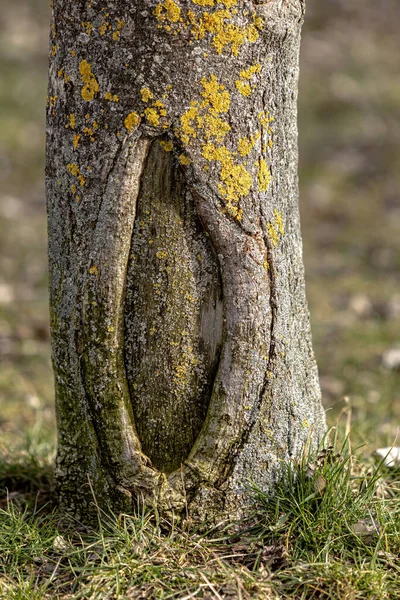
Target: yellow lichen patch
[
  {"x": 265, "y": 118},
  {"x": 184, "y": 160},
  {"x": 167, "y": 146},
  {"x": 54, "y": 50},
  {"x": 227, "y": 3},
  {"x": 131, "y": 121},
  {"x": 167, "y": 11},
  {"x": 243, "y": 84},
  {"x": 279, "y": 222},
  {"x": 146, "y": 94},
  {"x": 71, "y": 121},
  {"x": 264, "y": 175},
  {"x": 103, "y": 28},
  {"x": 161, "y": 107},
  {"x": 156, "y": 111},
  {"x": 214, "y": 23},
  {"x": 215, "y": 95},
  {"x": 161, "y": 254},
  {"x": 214, "y": 127},
  {"x": 72, "y": 52},
  {"x": 111, "y": 97},
  {"x": 187, "y": 119},
  {"x": 211, "y": 152},
  {"x": 231, "y": 35},
  {"x": 90, "y": 131},
  {"x": 245, "y": 144},
  {"x": 243, "y": 87},
  {"x": 91, "y": 86},
  {"x": 224, "y": 33},
  {"x": 273, "y": 234},
  {"x": 117, "y": 33},
  {"x": 73, "y": 189},
  {"x": 247, "y": 73},
  {"x": 266, "y": 265},
  {"x": 52, "y": 100},
  {"x": 252, "y": 33},
  {"x": 60, "y": 72},
  {"x": 275, "y": 228},
  {"x": 235, "y": 180},
  {"x": 202, "y": 121},
  {"x": 94, "y": 270},
  {"x": 73, "y": 168},
  {"x": 77, "y": 137},
  {"x": 87, "y": 26},
  {"x": 152, "y": 116}
]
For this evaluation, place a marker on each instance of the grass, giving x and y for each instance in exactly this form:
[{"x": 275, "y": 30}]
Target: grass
[{"x": 332, "y": 530}]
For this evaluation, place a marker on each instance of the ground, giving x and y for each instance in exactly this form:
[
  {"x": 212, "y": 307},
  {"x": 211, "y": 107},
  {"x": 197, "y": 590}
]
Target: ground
[{"x": 349, "y": 179}]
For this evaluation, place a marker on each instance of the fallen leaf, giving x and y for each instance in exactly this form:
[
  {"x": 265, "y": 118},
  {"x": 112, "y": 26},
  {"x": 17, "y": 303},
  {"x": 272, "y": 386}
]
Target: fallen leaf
[
  {"x": 320, "y": 485},
  {"x": 60, "y": 544},
  {"x": 368, "y": 530}
]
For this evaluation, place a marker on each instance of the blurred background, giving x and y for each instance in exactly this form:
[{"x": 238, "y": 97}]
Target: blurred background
[{"x": 349, "y": 121}]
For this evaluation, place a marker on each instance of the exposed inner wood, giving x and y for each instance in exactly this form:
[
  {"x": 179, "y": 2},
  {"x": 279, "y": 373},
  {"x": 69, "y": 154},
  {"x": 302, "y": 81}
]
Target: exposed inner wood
[{"x": 173, "y": 315}]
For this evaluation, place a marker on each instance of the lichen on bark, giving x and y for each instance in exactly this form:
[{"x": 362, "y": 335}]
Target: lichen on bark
[{"x": 181, "y": 339}]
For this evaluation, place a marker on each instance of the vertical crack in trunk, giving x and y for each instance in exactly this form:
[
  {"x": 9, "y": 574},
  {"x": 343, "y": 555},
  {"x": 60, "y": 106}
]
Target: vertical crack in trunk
[{"x": 273, "y": 301}]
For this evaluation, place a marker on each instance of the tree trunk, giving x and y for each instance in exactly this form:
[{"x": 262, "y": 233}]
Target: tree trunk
[{"x": 181, "y": 339}]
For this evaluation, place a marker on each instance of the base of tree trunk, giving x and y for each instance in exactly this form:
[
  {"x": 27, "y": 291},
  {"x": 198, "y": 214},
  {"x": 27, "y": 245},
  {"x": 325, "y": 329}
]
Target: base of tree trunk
[{"x": 182, "y": 352}]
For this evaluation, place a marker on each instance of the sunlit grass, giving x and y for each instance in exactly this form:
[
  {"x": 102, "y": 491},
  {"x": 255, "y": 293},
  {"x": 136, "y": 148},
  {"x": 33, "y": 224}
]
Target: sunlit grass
[{"x": 332, "y": 530}]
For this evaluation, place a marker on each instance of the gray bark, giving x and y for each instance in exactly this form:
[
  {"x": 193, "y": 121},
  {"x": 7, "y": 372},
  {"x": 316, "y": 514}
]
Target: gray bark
[{"x": 181, "y": 339}]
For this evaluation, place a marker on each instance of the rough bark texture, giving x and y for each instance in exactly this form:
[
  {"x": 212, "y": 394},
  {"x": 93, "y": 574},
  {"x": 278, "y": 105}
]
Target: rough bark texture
[{"x": 181, "y": 339}]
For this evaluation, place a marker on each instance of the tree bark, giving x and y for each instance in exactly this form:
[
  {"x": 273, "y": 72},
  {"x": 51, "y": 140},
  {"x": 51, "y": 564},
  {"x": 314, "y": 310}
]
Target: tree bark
[{"x": 181, "y": 339}]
